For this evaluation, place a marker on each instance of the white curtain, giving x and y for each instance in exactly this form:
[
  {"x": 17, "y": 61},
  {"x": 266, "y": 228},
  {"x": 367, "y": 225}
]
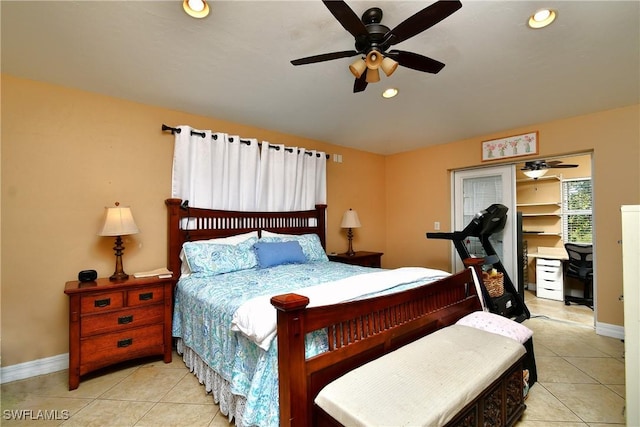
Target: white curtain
[
  {"x": 218, "y": 171},
  {"x": 215, "y": 171},
  {"x": 291, "y": 178}
]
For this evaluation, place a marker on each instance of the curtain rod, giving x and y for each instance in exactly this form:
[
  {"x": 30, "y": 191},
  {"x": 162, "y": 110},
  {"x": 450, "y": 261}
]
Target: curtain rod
[{"x": 242, "y": 141}]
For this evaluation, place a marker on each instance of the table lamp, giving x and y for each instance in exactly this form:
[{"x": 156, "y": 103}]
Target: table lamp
[
  {"x": 118, "y": 222},
  {"x": 350, "y": 220}
]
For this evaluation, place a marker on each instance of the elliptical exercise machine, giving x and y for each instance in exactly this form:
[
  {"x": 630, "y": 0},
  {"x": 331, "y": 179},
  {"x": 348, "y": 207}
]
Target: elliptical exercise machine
[{"x": 483, "y": 225}]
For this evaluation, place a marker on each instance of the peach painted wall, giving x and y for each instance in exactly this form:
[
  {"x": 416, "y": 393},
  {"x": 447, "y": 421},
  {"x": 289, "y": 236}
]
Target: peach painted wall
[
  {"x": 418, "y": 192},
  {"x": 66, "y": 154}
]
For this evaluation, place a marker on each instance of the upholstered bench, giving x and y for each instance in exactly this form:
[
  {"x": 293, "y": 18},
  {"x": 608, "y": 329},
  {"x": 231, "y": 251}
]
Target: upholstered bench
[
  {"x": 501, "y": 325},
  {"x": 458, "y": 375}
]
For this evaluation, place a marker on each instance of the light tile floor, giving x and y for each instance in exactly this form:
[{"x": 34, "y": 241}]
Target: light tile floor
[{"x": 580, "y": 383}]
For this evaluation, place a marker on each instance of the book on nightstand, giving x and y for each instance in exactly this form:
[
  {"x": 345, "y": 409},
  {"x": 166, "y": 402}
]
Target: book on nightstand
[{"x": 161, "y": 273}]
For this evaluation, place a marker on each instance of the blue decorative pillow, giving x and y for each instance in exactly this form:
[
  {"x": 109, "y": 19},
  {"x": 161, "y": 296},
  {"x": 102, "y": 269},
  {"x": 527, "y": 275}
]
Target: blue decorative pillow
[
  {"x": 215, "y": 258},
  {"x": 236, "y": 239},
  {"x": 310, "y": 243},
  {"x": 270, "y": 254}
]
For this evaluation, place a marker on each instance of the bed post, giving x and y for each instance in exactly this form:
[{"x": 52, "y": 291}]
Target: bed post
[
  {"x": 295, "y": 408},
  {"x": 173, "y": 242},
  {"x": 476, "y": 263},
  {"x": 322, "y": 226}
]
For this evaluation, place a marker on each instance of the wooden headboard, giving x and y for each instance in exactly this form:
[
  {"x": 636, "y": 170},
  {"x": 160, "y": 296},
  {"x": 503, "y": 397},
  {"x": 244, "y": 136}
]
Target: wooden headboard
[{"x": 212, "y": 223}]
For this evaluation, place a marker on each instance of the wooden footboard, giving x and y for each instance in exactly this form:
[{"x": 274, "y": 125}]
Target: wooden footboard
[{"x": 358, "y": 332}]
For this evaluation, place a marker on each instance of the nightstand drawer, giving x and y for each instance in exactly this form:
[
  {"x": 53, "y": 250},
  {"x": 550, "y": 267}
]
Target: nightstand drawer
[
  {"x": 123, "y": 319},
  {"x": 104, "y": 350},
  {"x": 97, "y": 303},
  {"x": 112, "y": 321},
  {"x": 143, "y": 296}
]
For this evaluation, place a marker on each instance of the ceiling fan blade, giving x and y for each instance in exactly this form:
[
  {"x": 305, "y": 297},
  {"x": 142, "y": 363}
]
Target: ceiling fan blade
[
  {"x": 346, "y": 17},
  {"x": 324, "y": 57},
  {"x": 557, "y": 164},
  {"x": 360, "y": 84},
  {"x": 426, "y": 18},
  {"x": 416, "y": 61},
  {"x": 563, "y": 166}
]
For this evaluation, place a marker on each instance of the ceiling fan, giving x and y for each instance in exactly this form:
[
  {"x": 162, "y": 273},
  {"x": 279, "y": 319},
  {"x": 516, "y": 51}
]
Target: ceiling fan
[
  {"x": 373, "y": 39},
  {"x": 537, "y": 168}
]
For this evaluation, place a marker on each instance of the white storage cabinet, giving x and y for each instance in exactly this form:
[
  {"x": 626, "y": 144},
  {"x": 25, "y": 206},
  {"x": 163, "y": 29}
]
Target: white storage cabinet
[{"x": 549, "y": 281}]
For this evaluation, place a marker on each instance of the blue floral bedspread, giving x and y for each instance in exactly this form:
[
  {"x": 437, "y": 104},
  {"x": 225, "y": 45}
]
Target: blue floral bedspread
[{"x": 204, "y": 307}]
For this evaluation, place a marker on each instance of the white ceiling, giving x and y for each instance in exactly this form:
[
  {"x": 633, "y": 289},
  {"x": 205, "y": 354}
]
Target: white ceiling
[{"x": 234, "y": 65}]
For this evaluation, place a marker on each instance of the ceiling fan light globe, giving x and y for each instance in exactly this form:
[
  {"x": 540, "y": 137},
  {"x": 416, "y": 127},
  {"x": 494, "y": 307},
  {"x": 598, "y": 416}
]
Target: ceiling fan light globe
[
  {"x": 373, "y": 75},
  {"x": 535, "y": 173},
  {"x": 374, "y": 59},
  {"x": 358, "y": 67},
  {"x": 388, "y": 65}
]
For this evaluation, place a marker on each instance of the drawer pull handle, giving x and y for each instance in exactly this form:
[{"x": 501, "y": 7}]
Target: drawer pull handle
[
  {"x": 123, "y": 320},
  {"x": 102, "y": 302},
  {"x": 146, "y": 296},
  {"x": 125, "y": 343}
]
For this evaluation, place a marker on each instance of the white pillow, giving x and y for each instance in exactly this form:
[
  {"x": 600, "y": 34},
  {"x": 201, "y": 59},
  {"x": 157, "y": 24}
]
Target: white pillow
[
  {"x": 267, "y": 233},
  {"x": 185, "y": 270}
]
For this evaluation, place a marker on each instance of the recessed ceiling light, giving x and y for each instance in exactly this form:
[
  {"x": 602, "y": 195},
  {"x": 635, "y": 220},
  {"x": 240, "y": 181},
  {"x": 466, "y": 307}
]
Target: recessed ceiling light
[
  {"x": 542, "y": 18},
  {"x": 390, "y": 93},
  {"x": 196, "y": 8}
]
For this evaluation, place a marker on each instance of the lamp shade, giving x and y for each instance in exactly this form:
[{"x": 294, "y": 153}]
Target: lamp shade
[
  {"x": 536, "y": 173},
  {"x": 373, "y": 75},
  {"x": 373, "y": 60},
  {"x": 358, "y": 67},
  {"x": 350, "y": 219},
  {"x": 118, "y": 222},
  {"x": 388, "y": 65}
]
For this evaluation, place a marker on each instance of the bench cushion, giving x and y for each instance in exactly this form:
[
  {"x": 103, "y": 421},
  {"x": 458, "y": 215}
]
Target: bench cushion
[{"x": 426, "y": 382}]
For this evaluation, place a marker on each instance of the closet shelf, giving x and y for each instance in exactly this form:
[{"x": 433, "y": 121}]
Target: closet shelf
[
  {"x": 524, "y": 205},
  {"x": 538, "y": 233}
]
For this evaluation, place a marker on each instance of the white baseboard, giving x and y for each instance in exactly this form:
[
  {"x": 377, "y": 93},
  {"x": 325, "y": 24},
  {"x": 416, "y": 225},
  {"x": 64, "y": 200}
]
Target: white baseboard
[
  {"x": 608, "y": 330},
  {"x": 34, "y": 368}
]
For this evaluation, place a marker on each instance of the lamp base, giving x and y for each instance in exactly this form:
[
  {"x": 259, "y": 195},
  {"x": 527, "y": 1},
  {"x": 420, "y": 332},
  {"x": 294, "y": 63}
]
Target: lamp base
[
  {"x": 117, "y": 277},
  {"x": 350, "y": 251},
  {"x": 119, "y": 274}
]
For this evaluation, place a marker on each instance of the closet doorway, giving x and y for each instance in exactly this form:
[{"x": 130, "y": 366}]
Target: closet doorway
[
  {"x": 550, "y": 218},
  {"x": 537, "y": 220}
]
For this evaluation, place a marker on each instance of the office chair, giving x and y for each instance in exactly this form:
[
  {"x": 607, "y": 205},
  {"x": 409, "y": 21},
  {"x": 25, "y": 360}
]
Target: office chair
[{"x": 580, "y": 267}]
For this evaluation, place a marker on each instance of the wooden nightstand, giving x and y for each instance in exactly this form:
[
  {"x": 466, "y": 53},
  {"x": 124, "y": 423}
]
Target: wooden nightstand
[
  {"x": 365, "y": 259},
  {"x": 111, "y": 322}
]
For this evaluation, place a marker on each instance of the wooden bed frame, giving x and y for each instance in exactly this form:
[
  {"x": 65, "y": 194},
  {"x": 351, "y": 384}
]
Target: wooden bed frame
[{"x": 360, "y": 330}]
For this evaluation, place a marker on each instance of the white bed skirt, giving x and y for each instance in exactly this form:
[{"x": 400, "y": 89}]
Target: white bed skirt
[{"x": 230, "y": 404}]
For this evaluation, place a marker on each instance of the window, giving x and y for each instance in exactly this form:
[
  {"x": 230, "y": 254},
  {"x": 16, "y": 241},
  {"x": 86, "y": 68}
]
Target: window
[{"x": 577, "y": 212}]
